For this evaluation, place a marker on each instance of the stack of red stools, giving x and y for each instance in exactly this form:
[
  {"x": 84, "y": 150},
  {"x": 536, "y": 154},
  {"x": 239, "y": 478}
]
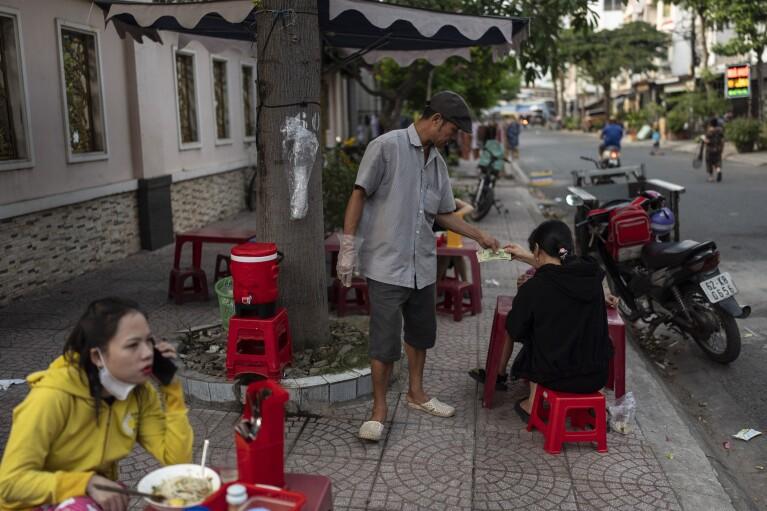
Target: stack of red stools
[
  {"x": 259, "y": 338},
  {"x": 260, "y": 346}
]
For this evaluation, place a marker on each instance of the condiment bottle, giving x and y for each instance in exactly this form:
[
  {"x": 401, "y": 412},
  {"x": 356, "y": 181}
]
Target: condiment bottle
[{"x": 236, "y": 495}]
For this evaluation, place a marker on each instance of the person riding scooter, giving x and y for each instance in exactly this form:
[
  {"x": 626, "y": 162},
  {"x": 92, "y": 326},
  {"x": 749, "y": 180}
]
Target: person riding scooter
[
  {"x": 610, "y": 149},
  {"x": 611, "y": 135}
]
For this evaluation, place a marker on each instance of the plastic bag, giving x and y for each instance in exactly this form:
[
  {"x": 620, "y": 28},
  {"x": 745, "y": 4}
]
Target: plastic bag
[
  {"x": 622, "y": 413},
  {"x": 300, "y": 147}
]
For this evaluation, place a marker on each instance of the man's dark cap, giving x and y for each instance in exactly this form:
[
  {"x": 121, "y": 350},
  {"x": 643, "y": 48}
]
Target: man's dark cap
[{"x": 453, "y": 108}]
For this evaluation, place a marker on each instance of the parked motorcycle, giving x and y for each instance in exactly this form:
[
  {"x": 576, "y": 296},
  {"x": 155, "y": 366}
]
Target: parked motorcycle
[
  {"x": 490, "y": 166},
  {"x": 677, "y": 284}
]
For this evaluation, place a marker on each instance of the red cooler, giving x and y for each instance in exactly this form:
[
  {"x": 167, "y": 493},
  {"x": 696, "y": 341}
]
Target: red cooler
[{"x": 254, "y": 270}]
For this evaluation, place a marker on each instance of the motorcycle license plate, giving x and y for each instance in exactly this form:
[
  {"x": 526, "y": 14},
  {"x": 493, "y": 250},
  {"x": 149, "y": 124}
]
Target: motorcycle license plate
[{"x": 718, "y": 288}]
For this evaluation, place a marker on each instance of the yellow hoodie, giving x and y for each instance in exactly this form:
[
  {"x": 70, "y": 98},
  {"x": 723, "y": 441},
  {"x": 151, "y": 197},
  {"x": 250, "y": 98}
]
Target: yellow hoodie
[{"x": 56, "y": 444}]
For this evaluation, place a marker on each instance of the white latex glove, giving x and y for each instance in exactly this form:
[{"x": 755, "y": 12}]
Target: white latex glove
[{"x": 347, "y": 259}]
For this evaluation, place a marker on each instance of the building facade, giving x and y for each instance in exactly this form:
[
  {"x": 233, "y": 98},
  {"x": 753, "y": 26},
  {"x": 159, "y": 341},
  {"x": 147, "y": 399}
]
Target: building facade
[{"x": 108, "y": 146}]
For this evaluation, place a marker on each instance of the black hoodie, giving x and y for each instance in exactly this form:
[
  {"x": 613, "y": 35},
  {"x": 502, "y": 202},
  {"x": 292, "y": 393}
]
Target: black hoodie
[{"x": 559, "y": 316}]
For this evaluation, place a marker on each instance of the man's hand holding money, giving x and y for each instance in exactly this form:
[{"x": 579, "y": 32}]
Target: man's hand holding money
[{"x": 488, "y": 254}]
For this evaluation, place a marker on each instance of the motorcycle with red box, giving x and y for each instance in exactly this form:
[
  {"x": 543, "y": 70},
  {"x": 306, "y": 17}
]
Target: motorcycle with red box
[{"x": 672, "y": 283}]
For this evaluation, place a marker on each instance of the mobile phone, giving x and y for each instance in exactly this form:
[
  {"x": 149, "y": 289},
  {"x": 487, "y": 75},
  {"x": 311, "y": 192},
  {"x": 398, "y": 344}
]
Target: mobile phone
[{"x": 163, "y": 368}]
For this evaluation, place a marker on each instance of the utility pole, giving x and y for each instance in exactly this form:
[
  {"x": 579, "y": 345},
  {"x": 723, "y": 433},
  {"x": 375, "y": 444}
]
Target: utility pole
[{"x": 290, "y": 144}]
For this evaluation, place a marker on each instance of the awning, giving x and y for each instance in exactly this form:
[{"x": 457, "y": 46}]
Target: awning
[{"x": 376, "y": 30}]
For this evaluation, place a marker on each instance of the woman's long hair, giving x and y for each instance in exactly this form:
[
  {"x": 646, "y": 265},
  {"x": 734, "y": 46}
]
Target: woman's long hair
[
  {"x": 97, "y": 326},
  {"x": 555, "y": 239}
]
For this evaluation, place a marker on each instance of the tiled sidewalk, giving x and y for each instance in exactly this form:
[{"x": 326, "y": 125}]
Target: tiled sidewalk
[{"x": 480, "y": 459}]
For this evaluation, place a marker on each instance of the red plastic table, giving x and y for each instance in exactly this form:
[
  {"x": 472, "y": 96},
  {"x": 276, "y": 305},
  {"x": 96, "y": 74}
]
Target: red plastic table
[
  {"x": 469, "y": 250},
  {"x": 616, "y": 379},
  {"x": 214, "y": 233},
  {"x": 317, "y": 489},
  {"x": 209, "y": 234}
]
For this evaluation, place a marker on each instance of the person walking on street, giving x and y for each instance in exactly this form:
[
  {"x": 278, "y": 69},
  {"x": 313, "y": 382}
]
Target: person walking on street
[
  {"x": 512, "y": 137},
  {"x": 714, "y": 142},
  {"x": 402, "y": 187}
]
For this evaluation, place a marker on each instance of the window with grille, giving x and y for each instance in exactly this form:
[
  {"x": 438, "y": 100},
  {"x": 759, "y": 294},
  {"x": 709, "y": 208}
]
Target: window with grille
[
  {"x": 220, "y": 99},
  {"x": 14, "y": 143},
  {"x": 186, "y": 92},
  {"x": 248, "y": 101},
  {"x": 83, "y": 96},
  {"x": 613, "y": 5}
]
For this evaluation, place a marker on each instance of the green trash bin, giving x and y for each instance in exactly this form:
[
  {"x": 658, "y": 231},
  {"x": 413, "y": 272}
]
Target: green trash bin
[{"x": 225, "y": 301}]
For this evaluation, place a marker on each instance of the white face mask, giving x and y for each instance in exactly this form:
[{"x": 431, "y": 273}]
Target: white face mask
[{"x": 118, "y": 388}]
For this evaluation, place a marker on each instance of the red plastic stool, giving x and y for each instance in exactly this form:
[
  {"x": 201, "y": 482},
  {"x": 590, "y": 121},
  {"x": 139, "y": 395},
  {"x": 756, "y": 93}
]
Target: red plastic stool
[
  {"x": 616, "y": 379},
  {"x": 222, "y": 267},
  {"x": 453, "y": 303},
  {"x": 551, "y": 421},
  {"x": 260, "y": 346},
  {"x": 180, "y": 292},
  {"x": 359, "y": 303},
  {"x": 495, "y": 350}
]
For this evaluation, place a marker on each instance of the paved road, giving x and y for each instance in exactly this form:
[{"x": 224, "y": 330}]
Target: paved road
[{"x": 718, "y": 400}]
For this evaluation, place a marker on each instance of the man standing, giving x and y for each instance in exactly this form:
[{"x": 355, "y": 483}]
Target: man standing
[{"x": 402, "y": 186}]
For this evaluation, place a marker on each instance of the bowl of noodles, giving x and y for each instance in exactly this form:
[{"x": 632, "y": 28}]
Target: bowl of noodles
[{"x": 181, "y": 485}]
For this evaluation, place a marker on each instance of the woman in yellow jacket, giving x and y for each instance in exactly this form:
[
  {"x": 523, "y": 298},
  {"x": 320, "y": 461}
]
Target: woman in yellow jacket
[{"x": 87, "y": 411}]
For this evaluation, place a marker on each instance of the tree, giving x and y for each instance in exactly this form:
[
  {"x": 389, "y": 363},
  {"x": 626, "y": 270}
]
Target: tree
[
  {"x": 748, "y": 18},
  {"x": 289, "y": 63},
  {"x": 482, "y": 80},
  {"x": 604, "y": 55},
  {"x": 705, "y": 10},
  {"x": 545, "y": 51}
]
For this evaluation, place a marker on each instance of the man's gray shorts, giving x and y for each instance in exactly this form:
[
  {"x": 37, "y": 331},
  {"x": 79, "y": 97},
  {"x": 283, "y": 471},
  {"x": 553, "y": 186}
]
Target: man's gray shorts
[{"x": 389, "y": 305}]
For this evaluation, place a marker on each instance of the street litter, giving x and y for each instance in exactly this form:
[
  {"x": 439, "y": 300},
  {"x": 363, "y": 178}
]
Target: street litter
[
  {"x": 4, "y": 384},
  {"x": 747, "y": 434},
  {"x": 622, "y": 413},
  {"x": 670, "y": 455},
  {"x": 726, "y": 445},
  {"x": 492, "y": 283}
]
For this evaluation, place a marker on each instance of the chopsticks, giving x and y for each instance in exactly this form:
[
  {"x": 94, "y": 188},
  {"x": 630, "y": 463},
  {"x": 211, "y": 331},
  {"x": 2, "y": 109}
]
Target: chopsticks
[{"x": 128, "y": 491}]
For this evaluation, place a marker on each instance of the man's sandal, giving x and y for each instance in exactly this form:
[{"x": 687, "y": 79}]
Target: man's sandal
[
  {"x": 371, "y": 430},
  {"x": 434, "y": 407}
]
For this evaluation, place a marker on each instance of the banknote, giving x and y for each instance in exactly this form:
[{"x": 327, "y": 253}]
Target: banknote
[{"x": 488, "y": 254}]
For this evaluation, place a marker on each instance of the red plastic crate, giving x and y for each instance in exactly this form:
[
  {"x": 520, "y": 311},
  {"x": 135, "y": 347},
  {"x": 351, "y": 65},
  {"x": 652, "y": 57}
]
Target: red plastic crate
[{"x": 293, "y": 501}]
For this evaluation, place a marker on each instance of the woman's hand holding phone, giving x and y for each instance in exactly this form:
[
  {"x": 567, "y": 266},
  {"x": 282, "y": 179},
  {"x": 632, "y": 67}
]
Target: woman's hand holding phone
[{"x": 163, "y": 367}]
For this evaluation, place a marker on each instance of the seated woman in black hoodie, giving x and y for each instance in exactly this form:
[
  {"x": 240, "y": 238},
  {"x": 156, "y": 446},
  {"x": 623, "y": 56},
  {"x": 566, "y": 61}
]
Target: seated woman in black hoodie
[{"x": 559, "y": 317}]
